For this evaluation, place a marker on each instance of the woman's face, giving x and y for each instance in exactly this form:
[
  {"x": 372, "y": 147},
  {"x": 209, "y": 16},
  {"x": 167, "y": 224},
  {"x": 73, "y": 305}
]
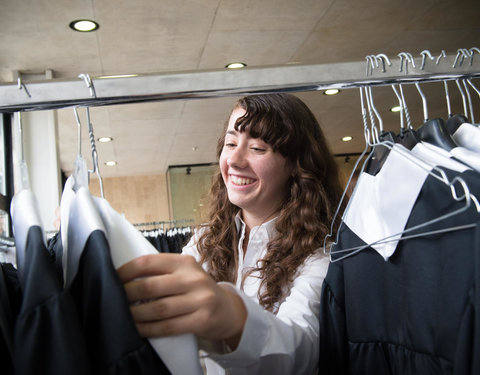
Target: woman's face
[{"x": 255, "y": 176}]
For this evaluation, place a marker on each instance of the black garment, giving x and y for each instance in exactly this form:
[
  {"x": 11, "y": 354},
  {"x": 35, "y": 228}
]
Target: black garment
[
  {"x": 416, "y": 313},
  {"x": 10, "y": 300},
  {"x": 113, "y": 342},
  {"x": 48, "y": 338}
]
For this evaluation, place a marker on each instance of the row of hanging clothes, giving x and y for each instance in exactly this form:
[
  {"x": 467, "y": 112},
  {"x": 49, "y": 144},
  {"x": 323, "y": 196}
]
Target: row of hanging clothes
[
  {"x": 166, "y": 236},
  {"x": 402, "y": 293},
  {"x": 63, "y": 309}
]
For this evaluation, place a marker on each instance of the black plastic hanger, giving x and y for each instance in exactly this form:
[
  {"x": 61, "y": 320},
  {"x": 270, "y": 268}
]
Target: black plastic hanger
[
  {"x": 454, "y": 122},
  {"x": 435, "y": 132}
]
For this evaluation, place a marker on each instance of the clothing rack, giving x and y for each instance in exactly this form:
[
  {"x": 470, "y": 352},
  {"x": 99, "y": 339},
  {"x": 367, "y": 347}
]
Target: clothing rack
[
  {"x": 163, "y": 223},
  {"x": 109, "y": 90}
]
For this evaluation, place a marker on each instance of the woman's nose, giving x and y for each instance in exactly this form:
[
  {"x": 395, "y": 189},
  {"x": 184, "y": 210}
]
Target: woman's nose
[{"x": 237, "y": 158}]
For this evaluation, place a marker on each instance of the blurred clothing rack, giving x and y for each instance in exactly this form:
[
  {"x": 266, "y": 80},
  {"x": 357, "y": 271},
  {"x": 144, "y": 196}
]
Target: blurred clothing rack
[
  {"x": 58, "y": 93},
  {"x": 162, "y": 224}
]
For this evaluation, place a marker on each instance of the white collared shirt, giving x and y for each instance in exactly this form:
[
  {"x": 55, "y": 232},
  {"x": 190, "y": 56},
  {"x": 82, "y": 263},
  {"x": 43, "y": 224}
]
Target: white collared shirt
[{"x": 285, "y": 343}]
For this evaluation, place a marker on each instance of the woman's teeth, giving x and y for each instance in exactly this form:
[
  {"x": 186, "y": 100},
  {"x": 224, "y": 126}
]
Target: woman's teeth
[{"x": 241, "y": 180}]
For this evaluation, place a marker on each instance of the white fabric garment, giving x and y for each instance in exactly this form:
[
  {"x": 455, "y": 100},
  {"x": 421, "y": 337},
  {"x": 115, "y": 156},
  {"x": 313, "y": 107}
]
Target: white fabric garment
[
  {"x": 285, "y": 343},
  {"x": 468, "y": 136},
  {"x": 371, "y": 215},
  {"x": 179, "y": 353},
  {"x": 472, "y": 158},
  {"x": 437, "y": 156}
]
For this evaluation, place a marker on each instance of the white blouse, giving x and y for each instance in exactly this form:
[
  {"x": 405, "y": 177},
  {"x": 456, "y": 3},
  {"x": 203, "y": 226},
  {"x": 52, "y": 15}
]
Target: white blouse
[{"x": 285, "y": 343}]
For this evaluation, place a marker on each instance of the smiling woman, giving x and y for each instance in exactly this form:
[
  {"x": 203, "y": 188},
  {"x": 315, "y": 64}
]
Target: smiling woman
[{"x": 250, "y": 289}]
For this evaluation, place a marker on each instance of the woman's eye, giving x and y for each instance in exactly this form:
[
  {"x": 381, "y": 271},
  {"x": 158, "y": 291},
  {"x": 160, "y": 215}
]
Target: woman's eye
[
  {"x": 258, "y": 149},
  {"x": 229, "y": 144}
]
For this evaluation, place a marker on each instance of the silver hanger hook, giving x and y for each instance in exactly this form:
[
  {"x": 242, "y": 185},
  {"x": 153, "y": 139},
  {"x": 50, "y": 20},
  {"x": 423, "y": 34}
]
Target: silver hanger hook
[
  {"x": 424, "y": 55},
  {"x": 442, "y": 54},
  {"x": 461, "y": 53},
  {"x": 89, "y": 84},
  {"x": 424, "y": 102},
  {"x": 408, "y": 58},
  {"x": 21, "y": 85},
  {"x": 472, "y": 52},
  {"x": 383, "y": 58},
  {"x": 370, "y": 63}
]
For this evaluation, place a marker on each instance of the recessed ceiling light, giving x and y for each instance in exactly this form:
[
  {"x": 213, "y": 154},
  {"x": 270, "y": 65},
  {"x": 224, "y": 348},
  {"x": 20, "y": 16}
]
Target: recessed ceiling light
[
  {"x": 84, "y": 25},
  {"x": 235, "y": 65},
  {"x": 111, "y": 163},
  {"x": 396, "y": 109},
  {"x": 347, "y": 138},
  {"x": 105, "y": 139},
  {"x": 331, "y": 91}
]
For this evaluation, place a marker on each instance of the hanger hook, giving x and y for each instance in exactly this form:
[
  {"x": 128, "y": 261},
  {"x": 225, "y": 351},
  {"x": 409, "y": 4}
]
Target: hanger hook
[
  {"x": 21, "y": 85},
  {"x": 472, "y": 52},
  {"x": 382, "y": 57},
  {"x": 442, "y": 54},
  {"x": 408, "y": 59},
  {"x": 424, "y": 55},
  {"x": 89, "y": 83},
  {"x": 463, "y": 53},
  {"x": 370, "y": 59}
]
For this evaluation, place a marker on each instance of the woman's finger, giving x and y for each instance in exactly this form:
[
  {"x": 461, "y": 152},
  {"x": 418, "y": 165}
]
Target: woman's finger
[
  {"x": 153, "y": 287},
  {"x": 163, "y": 308},
  {"x": 153, "y": 264}
]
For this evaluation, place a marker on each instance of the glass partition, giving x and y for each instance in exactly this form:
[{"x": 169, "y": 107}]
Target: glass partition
[{"x": 188, "y": 190}]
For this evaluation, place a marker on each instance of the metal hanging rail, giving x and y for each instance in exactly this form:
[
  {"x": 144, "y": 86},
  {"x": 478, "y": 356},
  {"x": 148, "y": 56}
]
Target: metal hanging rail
[{"x": 58, "y": 93}]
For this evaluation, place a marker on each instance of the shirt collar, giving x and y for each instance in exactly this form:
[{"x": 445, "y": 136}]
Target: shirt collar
[{"x": 269, "y": 226}]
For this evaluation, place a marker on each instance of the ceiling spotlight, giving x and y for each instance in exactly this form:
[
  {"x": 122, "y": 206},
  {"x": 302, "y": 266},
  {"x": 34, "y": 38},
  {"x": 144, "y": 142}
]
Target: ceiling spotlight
[
  {"x": 105, "y": 139},
  {"x": 331, "y": 91},
  {"x": 235, "y": 65},
  {"x": 110, "y": 163},
  {"x": 84, "y": 26},
  {"x": 396, "y": 109},
  {"x": 347, "y": 138}
]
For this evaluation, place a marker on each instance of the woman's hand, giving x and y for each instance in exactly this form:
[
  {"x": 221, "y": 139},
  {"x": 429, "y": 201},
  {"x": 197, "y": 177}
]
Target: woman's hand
[{"x": 171, "y": 294}]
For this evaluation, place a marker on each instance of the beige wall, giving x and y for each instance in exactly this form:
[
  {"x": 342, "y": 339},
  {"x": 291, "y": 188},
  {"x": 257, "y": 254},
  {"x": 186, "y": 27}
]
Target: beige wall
[{"x": 141, "y": 198}]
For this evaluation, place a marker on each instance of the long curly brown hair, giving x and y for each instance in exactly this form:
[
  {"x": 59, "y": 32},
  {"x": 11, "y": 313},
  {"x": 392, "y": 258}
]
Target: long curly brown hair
[{"x": 285, "y": 123}]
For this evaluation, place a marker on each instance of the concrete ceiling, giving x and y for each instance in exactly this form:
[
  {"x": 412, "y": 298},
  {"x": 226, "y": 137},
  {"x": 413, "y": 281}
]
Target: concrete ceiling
[{"x": 151, "y": 36}]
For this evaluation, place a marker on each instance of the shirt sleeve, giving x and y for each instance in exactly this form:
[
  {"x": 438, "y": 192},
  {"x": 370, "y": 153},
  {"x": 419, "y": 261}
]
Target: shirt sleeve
[{"x": 285, "y": 343}]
